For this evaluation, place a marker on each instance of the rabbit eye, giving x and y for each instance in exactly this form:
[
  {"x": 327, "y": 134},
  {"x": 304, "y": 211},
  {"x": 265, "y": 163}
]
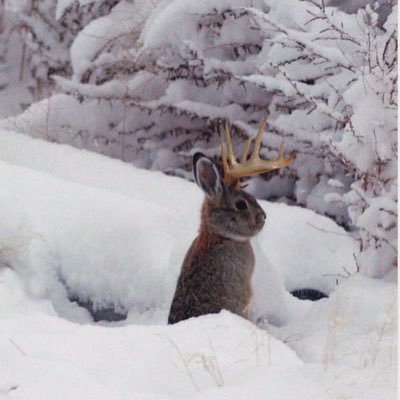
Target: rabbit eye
[{"x": 241, "y": 205}]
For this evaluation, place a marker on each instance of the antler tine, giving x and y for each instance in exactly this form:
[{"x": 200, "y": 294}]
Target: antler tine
[
  {"x": 246, "y": 150},
  {"x": 231, "y": 153},
  {"x": 257, "y": 142},
  {"x": 282, "y": 153},
  {"x": 225, "y": 164}
]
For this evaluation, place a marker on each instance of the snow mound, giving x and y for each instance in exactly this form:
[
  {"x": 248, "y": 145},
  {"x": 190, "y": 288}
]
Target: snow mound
[
  {"x": 212, "y": 357},
  {"x": 355, "y": 326},
  {"x": 114, "y": 236},
  {"x": 74, "y": 224},
  {"x": 198, "y": 355}
]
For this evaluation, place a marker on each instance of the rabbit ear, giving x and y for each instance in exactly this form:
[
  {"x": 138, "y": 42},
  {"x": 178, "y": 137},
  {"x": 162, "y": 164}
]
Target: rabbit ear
[{"x": 207, "y": 176}]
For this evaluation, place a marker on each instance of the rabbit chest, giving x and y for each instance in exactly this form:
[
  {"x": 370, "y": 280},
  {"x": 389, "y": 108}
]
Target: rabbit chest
[
  {"x": 235, "y": 264},
  {"x": 217, "y": 276}
]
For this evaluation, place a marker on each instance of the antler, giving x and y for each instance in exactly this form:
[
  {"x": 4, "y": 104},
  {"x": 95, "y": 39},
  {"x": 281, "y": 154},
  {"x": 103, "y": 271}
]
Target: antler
[{"x": 233, "y": 170}]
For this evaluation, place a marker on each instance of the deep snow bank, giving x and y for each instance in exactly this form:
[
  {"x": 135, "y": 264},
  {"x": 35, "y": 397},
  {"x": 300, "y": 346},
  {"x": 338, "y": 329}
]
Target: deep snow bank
[
  {"x": 76, "y": 223},
  {"x": 115, "y": 235},
  {"x": 212, "y": 357}
]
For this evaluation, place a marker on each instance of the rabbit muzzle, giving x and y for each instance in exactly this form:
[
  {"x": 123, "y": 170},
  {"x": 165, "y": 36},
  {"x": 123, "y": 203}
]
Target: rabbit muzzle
[{"x": 260, "y": 218}]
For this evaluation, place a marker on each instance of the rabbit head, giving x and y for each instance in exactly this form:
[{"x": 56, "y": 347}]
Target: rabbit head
[{"x": 227, "y": 211}]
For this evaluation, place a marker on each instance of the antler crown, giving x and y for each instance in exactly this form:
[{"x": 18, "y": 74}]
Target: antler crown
[{"x": 253, "y": 165}]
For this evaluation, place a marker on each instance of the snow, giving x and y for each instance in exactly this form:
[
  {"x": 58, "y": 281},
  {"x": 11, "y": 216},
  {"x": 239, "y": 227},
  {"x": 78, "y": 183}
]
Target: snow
[
  {"x": 366, "y": 103},
  {"x": 116, "y": 245},
  {"x": 353, "y": 337},
  {"x": 179, "y": 16},
  {"x": 211, "y": 357},
  {"x": 14, "y": 93},
  {"x": 63, "y": 5},
  {"x": 270, "y": 83},
  {"x": 100, "y": 34},
  {"x": 152, "y": 81},
  {"x": 83, "y": 235},
  {"x": 74, "y": 222}
]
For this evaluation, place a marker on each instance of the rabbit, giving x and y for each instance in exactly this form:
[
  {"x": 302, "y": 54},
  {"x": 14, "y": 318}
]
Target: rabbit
[{"x": 217, "y": 269}]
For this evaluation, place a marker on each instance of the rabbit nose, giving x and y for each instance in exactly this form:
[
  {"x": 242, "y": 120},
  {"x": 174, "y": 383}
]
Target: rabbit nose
[{"x": 261, "y": 216}]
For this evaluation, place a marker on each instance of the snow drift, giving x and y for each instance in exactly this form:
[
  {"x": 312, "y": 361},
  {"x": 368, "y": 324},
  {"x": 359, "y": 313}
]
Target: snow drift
[{"x": 76, "y": 225}]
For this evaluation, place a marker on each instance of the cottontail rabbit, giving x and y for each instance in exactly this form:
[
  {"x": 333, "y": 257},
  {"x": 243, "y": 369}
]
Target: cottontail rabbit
[{"x": 217, "y": 269}]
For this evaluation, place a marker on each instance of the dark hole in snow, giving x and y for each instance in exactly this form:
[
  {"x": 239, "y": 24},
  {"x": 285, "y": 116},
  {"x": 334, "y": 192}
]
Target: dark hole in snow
[
  {"x": 308, "y": 81},
  {"x": 308, "y": 294},
  {"x": 103, "y": 314}
]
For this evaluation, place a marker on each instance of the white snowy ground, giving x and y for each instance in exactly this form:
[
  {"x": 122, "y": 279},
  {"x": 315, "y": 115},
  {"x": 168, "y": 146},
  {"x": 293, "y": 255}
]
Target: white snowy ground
[{"x": 73, "y": 222}]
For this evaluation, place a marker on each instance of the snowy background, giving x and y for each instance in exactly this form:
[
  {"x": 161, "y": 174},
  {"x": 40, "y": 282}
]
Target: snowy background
[{"x": 86, "y": 237}]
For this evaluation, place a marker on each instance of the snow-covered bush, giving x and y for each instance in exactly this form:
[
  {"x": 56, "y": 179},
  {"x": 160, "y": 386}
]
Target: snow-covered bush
[
  {"x": 368, "y": 149},
  {"x": 338, "y": 89},
  {"x": 35, "y": 40},
  {"x": 167, "y": 96},
  {"x": 99, "y": 55}
]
